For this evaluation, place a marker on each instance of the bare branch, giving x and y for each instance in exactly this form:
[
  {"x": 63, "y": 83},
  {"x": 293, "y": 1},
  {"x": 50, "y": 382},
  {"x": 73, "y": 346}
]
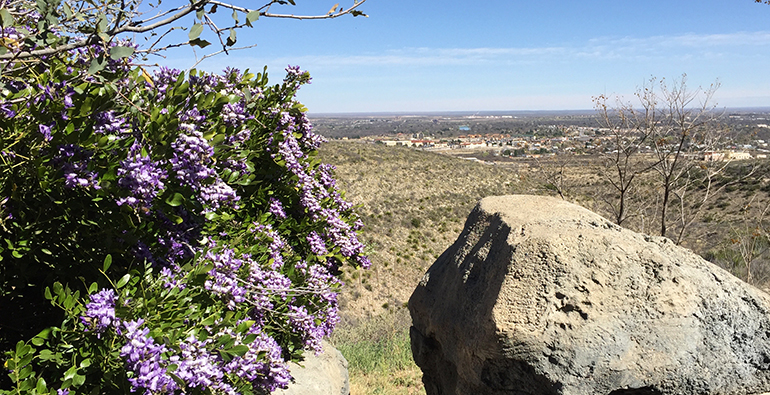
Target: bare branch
[
  {"x": 219, "y": 52},
  {"x": 290, "y": 16}
]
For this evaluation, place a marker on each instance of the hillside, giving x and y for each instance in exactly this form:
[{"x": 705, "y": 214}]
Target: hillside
[{"x": 413, "y": 204}]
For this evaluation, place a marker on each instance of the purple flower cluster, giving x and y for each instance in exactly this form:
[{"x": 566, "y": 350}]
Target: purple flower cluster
[
  {"x": 276, "y": 208},
  {"x": 45, "y": 130},
  {"x": 74, "y": 164},
  {"x": 276, "y": 244},
  {"x": 266, "y": 285},
  {"x": 163, "y": 78},
  {"x": 142, "y": 177},
  {"x": 223, "y": 278},
  {"x": 263, "y": 364},
  {"x": 317, "y": 185},
  {"x": 304, "y": 323},
  {"x": 234, "y": 114},
  {"x": 197, "y": 367},
  {"x": 144, "y": 359},
  {"x": 191, "y": 165},
  {"x": 100, "y": 311},
  {"x": 317, "y": 244},
  {"x": 109, "y": 122}
]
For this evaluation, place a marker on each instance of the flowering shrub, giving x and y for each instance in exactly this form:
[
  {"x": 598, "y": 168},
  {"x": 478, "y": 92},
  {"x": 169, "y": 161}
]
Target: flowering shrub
[{"x": 162, "y": 232}]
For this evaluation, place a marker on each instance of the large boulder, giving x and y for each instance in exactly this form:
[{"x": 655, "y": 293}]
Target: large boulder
[
  {"x": 540, "y": 296},
  {"x": 323, "y": 374}
]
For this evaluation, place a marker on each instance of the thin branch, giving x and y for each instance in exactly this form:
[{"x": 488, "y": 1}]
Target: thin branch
[
  {"x": 266, "y": 14},
  {"x": 114, "y": 32},
  {"x": 219, "y": 52}
]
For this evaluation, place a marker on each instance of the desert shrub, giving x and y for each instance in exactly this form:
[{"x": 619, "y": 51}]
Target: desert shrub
[{"x": 162, "y": 232}]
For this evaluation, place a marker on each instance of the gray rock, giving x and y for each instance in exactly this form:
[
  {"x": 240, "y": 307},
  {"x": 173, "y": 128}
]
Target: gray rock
[
  {"x": 540, "y": 296},
  {"x": 324, "y": 374}
]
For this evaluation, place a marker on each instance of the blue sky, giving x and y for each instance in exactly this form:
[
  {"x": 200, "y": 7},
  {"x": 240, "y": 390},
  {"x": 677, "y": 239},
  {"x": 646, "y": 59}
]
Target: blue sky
[{"x": 448, "y": 55}]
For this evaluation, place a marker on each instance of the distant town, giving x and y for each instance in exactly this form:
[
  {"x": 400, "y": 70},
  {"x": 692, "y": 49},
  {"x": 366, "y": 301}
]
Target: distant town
[{"x": 744, "y": 134}]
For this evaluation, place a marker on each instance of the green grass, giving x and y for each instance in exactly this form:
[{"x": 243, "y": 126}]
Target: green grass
[{"x": 379, "y": 355}]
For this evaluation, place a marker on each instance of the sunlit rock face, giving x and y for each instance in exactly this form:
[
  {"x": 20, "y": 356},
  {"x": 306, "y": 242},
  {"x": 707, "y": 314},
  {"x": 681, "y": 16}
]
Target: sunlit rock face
[{"x": 541, "y": 296}]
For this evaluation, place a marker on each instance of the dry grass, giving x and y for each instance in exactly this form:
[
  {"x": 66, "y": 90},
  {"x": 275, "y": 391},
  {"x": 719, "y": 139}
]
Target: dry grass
[{"x": 413, "y": 204}]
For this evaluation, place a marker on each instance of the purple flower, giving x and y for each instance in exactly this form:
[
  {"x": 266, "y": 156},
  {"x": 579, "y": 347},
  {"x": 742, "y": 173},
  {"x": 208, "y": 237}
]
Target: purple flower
[
  {"x": 276, "y": 244},
  {"x": 142, "y": 177},
  {"x": 143, "y": 359},
  {"x": 223, "y": 278},
  {"x": 108, "y": 122},
  {"x": 7, "y": 110},
  {"x": 45, "y": 130},
  {"x": 263, "y": 364},
  {"x": 304, "y": 324},
  {"x": 100, "y": 311},
  {"x": 234, "y": 114},
  {"x": 74, "y": 163},
  {"x": 317, "y": 244},
  {"x": 276, "y": 208}
]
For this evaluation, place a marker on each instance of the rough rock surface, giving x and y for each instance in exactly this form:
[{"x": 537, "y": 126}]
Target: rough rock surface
[
  {"x": 324, "y": 374},
  {"x": 540, "y": 296}
]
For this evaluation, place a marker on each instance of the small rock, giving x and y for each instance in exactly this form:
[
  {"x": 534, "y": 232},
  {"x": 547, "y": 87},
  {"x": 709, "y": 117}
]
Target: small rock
[{"x": 324, "y": 374}]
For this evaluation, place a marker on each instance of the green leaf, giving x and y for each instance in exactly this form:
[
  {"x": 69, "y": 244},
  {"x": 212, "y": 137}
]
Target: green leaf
[
  {"x": 239, "y": 350},
  {"x": 41, "y": 386},
  {"x": 176, "y": 200},
  {"x": 231, "y": 38},
  {"x": 210, "y": 320},
  {"x": 67, "y": 10},
  {"x": 48, "y": 293},
  {"x": 107, "y": 262},
  {"x": 70, "y": 373},
  {"x": 6, "y": 18},
  {"x": 218, "y": 139},
  {"x": 46, "y": 355},
  {"x": 244, "y": 326},
  {"x": 195, "y": 32},
  {"x": 252, "y": 16},
  {"x": 123, "y": 281},
  {"x": 199, "y": 43},
  {"x": 175, "y": 218},
  {"x": 97, "y": 65},
  {"x": 117, "y": 53},
  {"x": 102, "y": 23},
  {"x": 235, "y": 17},
  {"x": 46, "y": 251}
]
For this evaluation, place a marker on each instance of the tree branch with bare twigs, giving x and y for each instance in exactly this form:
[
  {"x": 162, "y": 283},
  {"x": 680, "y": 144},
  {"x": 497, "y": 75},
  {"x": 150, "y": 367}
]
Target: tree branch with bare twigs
[{"x": 61, "y": 26}]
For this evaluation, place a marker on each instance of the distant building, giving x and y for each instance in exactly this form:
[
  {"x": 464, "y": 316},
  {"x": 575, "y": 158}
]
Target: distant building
[
  {"x": 465, "y": 128},
  {"x": 713, "y": 156},
  {"x": 719, "y": 156},
  {"x": 738, "y": 155}
]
